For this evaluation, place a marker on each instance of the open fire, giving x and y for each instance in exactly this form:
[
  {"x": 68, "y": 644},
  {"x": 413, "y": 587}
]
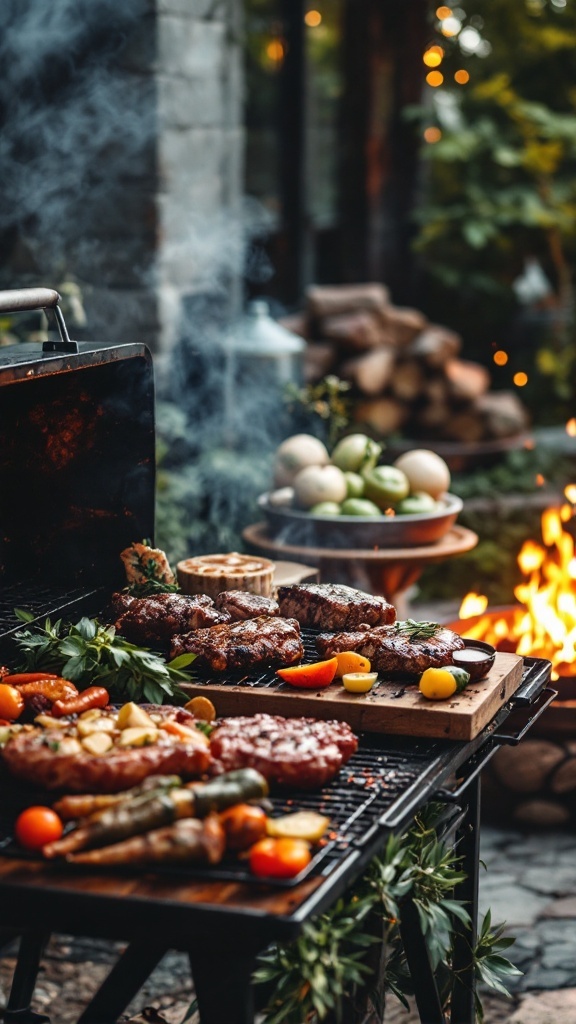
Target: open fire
[{"x": 543, "y": 624}]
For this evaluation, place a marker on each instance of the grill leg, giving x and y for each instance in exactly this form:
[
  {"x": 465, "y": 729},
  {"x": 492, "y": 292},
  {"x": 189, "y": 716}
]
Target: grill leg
[
  {"x": 462, "y": 1002},
  {"x": 421, "y": 973},
  {"x": 223, "y": 987},
  {"x": 125, "y": 980},
  {"x": 32, "y": 945}
]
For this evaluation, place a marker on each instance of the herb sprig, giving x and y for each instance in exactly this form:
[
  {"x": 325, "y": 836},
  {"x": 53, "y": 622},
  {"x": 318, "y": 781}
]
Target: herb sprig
[
  {"x": 89, "y": 653},
  {"x": 412, "y": 630}
]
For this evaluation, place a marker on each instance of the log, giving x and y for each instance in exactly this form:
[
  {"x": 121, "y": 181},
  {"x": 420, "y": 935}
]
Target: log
[
  {"x": 466, "y": 426},
  {"x": 370, "y": 372},
  {"x": 404, "y": 324},
  {"x": 435, "y": 345},
  {"x": 320, "y": 358},
  {"x": 330, "y": 300},
  {"x": 466, "y": 380},
  {"x": 503, "y": 412},
  {"x": 432, "y": 415},
  {"x": 382, "y": 416},
  {"x": 361, "y": 330},
  {"x": 436, "y": 389},
  {"x": 407, "y": 380},
  {"x": 525, "y": 768}
]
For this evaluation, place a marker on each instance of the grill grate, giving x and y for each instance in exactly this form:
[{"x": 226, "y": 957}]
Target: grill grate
[
  {"x": 381, "y": 785},
  {"x": 41, "y": 601}
]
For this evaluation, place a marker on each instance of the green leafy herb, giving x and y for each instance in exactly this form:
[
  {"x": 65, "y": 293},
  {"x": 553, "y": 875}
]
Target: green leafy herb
[{"x": 89, "y": 653}]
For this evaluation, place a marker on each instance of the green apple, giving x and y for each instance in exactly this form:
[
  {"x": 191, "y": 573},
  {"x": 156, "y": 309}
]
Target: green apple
[
  {"x": 385, "y": 485},
  {"x": 359, "y": 507}
]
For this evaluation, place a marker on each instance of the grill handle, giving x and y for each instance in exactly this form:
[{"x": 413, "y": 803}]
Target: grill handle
[{"x": 22, "y": 300}]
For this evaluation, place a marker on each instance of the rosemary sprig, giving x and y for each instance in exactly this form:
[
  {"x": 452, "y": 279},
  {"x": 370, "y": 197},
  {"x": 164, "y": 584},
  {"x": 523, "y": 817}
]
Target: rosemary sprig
[
  {"x": 89, "y": 652},
  {"x": 412, "y": 630}
]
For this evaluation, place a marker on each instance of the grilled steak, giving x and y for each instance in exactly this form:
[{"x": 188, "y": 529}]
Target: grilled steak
[
  {"x": 333, "y": 606},
  {"x": 242, "y": 646},
  {"x": 55, "y": 758},
  {"x": 154, "y": 620},
  {"x": 391, "y": 650},
  {"x": 242, "y": 604},
  {"x": 300, "y": 752}
]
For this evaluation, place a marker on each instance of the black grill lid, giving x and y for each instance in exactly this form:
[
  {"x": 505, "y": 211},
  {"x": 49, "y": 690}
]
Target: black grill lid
[{"x": 77, "y": 461}]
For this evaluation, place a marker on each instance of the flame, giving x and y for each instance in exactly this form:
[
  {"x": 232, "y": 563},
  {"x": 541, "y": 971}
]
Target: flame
[{"x": 544, "y": 624}]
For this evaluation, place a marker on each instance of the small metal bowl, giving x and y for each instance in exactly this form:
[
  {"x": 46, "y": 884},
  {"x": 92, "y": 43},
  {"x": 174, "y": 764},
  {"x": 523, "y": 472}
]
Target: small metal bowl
[{"x": 477, "y": 658}]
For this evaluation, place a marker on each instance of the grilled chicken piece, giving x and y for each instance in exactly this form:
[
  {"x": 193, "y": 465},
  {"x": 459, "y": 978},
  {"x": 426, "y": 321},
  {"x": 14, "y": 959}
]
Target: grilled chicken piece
[
  {"x": 242, "y": 604},
  {"x": 391, "y": 650},
  {"x": 333, "y": 606},
  {"x": 301, "y": 752},
  {"x": 243, "y": 646},
  {"x": 143, "y": 563},
  {"x": 154, "y": 620}
]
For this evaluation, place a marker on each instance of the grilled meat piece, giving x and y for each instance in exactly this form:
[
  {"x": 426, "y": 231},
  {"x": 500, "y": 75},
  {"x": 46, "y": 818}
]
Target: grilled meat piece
[
  {"x": 54, "y": 759},
  {"x": 243, "y": 646},
  {"x": 301, "y": 752},
  {"x": 242, "y": 604},
  {"x": 333, "y": 606},
  {"x": 390, "y": 650},
  {"x": 154, "y": 620}
]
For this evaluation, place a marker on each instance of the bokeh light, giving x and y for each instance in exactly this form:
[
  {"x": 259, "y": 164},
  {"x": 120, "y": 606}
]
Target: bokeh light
[
  {"x": 461, "y": 76},
  {"x": 432, "y": 58},
  {"x": 275, "y": 51},
  {"x": 434, "y": 78},
  {"x": 500, "y": 357},
  {"x": 443, "y": 12},
  {"x": 313, "y": 18},
  {"x": 432, "y": 134},
  {"x": 520, "y": 379},
  {"x": 571, "y": 427}
]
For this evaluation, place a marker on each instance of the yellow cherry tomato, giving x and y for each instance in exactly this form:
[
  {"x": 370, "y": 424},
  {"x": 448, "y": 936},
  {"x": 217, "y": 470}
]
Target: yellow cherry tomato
[
  {"x": 437, "y": 684},
  {"x": 351, "y": 661},
  {"x": 359, "y": 682}
]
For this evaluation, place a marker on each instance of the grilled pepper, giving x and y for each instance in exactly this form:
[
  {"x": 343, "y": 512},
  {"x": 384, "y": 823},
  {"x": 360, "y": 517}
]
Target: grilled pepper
[
  {"x": 310, "y": 677},
  {"x": 188, "y": 842},
  {"x": 442, "y": 683}
]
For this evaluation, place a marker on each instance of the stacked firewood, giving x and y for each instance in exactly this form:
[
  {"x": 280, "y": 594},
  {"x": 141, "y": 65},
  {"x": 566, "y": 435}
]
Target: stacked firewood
[{"x": 407, "y": 374}]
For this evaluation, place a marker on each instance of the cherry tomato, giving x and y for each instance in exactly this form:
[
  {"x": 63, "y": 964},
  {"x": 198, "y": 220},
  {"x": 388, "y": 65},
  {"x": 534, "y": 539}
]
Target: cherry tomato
[
  {"x": 11, "y": 702},
  {"x": 279, "y": 858},
  {"x": 244, "y": 825},
  {"x": 36, "y": 826}
]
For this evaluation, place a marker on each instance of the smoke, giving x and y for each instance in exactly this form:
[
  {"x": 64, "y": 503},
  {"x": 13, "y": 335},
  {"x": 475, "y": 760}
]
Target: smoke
[
  {"x": 76, "y": 118},
  {"x": 84, "y": 186}
]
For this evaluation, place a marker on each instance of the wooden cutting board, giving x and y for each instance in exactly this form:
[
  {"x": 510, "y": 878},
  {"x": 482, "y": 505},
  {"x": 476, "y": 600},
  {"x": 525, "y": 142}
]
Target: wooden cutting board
[{"x": 390, "y": 707}]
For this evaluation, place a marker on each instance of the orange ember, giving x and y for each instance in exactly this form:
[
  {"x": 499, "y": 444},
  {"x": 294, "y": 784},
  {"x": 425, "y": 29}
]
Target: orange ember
[{"x": 544, "y": 623}]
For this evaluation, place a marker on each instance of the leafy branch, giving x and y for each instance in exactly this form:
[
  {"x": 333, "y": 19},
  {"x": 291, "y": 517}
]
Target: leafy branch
[
  {"x": 332, "y": 963},
  {"x": 89, "y": 652}
]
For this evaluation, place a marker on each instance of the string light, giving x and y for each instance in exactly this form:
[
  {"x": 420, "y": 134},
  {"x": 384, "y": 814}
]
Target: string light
[
  {"x": 434, "y": 78},
  {"x": 500, "y": 357},
  {"x": 520, "y": 379},
  {"x": 433, "y": 56},
  {"x": 313, "y": 18},
  {"x": 275, "y": 51}
]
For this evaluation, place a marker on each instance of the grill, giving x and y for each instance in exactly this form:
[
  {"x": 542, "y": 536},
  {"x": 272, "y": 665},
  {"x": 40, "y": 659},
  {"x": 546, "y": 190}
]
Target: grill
[{"x": 76, "y": 487}]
